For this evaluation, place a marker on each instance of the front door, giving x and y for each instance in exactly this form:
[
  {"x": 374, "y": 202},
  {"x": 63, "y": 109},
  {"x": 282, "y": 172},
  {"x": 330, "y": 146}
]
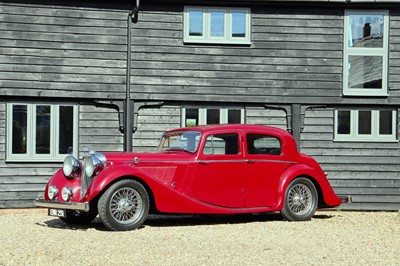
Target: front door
[{"x": 218, "y": 177}]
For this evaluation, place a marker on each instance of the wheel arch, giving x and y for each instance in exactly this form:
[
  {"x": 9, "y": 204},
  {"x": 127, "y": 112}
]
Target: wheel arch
[
  {"x": 153, "y": 208},
  {"x": 295, "y": 172}
]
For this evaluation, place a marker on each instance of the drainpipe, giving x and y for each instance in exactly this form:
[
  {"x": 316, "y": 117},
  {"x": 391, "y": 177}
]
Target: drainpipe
[{"x": 128, "y": 107}]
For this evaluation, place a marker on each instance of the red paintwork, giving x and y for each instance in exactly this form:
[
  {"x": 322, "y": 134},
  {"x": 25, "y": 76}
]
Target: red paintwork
[{"x": 181, "y": 182}]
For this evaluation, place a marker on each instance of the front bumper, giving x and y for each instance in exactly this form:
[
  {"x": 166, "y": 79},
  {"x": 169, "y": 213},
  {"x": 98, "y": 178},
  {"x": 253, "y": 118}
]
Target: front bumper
[{"x": 78, "y": 206}]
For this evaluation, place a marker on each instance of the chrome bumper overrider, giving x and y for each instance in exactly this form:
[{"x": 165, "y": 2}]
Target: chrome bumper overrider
[{"x": 78, "y": 206}]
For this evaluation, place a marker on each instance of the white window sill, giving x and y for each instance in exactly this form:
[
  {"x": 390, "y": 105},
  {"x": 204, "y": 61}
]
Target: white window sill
[{"x": 367, "y": 140}]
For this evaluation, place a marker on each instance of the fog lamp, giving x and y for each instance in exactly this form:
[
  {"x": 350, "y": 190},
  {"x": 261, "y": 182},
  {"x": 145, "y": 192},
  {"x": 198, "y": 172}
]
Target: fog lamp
[
  {"x": 66, "y": 193},
  {"x": 52, "y": 192}
]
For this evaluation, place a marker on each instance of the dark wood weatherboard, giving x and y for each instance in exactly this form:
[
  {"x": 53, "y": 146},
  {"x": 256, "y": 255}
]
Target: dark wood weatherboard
[{"x": 75, "y": 52}]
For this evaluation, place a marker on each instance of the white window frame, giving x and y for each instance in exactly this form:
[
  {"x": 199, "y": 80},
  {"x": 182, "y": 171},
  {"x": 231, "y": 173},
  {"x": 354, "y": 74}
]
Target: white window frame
[
  {"x": 354, "y": 136},
  {"x": 206, "y": 37},
  {"x": 363, "y": 51},
  {"x": 223, "y": 115},
  {"x": 31, "y": 155}
]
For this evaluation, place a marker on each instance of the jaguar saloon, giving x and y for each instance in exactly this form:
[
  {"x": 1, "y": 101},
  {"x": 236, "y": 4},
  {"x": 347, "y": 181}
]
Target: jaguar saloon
[{"x": 211, "y": 169}]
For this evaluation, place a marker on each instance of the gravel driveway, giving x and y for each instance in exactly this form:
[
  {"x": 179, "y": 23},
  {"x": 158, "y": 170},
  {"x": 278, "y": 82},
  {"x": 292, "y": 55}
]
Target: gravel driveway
[{"x": 30, "y": 237}]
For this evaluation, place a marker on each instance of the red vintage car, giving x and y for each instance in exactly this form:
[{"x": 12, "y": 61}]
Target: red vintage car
[{"x": 213, "y": 169}]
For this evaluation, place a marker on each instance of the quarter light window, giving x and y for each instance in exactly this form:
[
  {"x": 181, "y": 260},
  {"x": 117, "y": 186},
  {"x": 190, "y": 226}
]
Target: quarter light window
[
  {"x": 40, "y": 132},
  {"x": 217, "y": 25},
  {"x": 366, "y": 53},
  {"x": 365, "y": 125}
]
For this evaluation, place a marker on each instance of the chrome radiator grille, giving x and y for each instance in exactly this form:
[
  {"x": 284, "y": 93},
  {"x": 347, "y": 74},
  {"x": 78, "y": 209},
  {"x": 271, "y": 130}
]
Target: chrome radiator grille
[{"x": 85, "y": 182}]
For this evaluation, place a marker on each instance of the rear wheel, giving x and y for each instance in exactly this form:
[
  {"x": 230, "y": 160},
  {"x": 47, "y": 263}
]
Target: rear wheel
[
  {"x": 301, "y": 200},
  {"x": 124, "y": 206}
]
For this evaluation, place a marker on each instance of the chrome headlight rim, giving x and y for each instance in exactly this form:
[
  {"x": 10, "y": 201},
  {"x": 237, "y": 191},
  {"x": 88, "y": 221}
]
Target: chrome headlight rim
[
  {"x": 71, "y": 167},
  {"x": 66, "y": 193},
  {"x": 52, "y": 192},
  {"x": 94, "y": 164}
]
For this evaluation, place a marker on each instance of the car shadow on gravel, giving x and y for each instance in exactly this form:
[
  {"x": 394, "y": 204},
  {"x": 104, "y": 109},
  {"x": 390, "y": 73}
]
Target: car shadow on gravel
[
  {"x": 58, "y": 224},
  {"x": 181, "y": 220},
  {"x": 190, "y": 220}
]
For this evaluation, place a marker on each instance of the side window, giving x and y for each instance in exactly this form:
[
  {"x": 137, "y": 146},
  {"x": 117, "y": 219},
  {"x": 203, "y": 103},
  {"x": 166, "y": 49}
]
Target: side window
[
  {"x": 222, "y": 144},
  {"x": 263, "y": 144}
]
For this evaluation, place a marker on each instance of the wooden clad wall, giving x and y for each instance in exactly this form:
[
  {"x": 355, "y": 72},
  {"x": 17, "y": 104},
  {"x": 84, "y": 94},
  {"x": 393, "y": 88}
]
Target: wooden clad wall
[
  {"x": 151, "y": 124},
  {"x": 99, "y": 129},
  {"x": 266, "y": 117},
  {"x": 368, "y": 171},
  {"x": 20, "y": 183},
  {"x": 51, "y": 50},
  {"x": 394, "y": 56},
  {"x": 296, "y": 54}
]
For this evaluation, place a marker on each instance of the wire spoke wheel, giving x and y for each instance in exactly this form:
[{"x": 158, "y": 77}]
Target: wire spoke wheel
[
  {"x": 301, "y": 200},
  {"x": 124, "y": 206}
]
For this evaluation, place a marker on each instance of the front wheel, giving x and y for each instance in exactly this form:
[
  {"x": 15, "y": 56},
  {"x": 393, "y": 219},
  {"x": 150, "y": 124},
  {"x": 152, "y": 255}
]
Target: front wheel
[
  {"x": 124, "y": 206},
  {"x": 301, "y": 200}
]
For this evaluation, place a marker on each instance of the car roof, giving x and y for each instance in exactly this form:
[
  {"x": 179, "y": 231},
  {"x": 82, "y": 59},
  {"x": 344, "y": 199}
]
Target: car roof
[{"x": 246, "y": 127}]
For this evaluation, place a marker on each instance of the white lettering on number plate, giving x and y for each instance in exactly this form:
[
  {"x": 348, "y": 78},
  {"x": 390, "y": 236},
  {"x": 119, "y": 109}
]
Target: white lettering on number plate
[{"x": 57, "y": 212}]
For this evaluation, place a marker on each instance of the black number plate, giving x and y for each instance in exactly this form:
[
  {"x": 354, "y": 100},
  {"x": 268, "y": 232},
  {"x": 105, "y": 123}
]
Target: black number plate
[{"x": 57, "y": 213}]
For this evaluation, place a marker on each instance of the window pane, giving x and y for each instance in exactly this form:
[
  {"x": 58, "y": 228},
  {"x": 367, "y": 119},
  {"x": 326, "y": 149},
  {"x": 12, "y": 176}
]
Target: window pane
[
  {"x": 192, "y": 117},
  {"x": 195, "y": 23},
  {"x": 222, "y": 144},
  {"x": 66, "y": 129},
  {"x": 364, "y": 122},
  {"x": 366, "y": 30},
  {"x": 43, "y": 129},
  {"x": 234, "y": 116},
  {"x": 238, "y": 24},
  {"x": 365, "y": 72},
  {"x": 213, "y": 116},
  {"x": 385, "y": 122},
  {"x": 263, "y": 144},
  {"x": 19, "y": 129},
  {"x": 217, "y": 24},
  {"x": 343, "y": 126}
]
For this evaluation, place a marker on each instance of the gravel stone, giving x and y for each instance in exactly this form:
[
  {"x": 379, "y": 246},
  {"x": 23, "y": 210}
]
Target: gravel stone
[{"x": 30, "y": 237}]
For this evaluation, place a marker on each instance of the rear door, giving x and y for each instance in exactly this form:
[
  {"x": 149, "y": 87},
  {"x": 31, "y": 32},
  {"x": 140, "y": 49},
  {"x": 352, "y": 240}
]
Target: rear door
[{"x": 265, "y": 163}]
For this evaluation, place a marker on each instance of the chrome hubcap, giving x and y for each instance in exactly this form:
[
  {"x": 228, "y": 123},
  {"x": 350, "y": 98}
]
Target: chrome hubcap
[
  {"x": 300, "y": 199},
  {"x": 126, "y": 205}
]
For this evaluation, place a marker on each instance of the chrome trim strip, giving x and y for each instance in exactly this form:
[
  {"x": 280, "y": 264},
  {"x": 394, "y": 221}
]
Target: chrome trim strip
[
  {"x": 78, "y": 206},
  {"x": 246, "y": 161}
]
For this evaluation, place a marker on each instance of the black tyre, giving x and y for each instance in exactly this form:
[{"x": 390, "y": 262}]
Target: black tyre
[
  {"x": 124, "y": 206},
  {"x": 301, "y": 200},
  {"x": 76, "y": 217}
]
